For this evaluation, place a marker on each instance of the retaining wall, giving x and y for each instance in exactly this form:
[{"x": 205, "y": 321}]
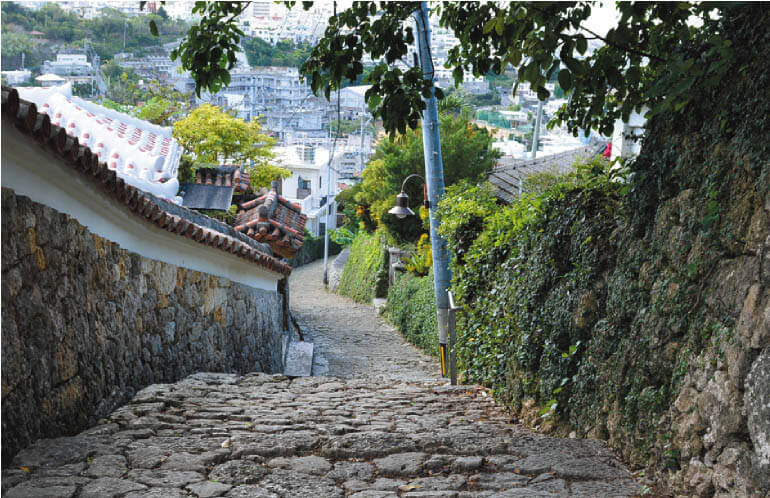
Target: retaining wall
[{"x": 86, "y": 323}]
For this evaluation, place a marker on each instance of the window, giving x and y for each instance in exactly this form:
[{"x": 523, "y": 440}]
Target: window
[{"x": 303, "y": 184}]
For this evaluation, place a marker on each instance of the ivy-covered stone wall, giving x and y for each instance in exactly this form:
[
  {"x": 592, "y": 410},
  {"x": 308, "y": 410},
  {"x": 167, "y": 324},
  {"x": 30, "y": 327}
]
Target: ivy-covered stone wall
[
  {"x": 86, "y": 323},
  {"x": 638, "y": 311}
]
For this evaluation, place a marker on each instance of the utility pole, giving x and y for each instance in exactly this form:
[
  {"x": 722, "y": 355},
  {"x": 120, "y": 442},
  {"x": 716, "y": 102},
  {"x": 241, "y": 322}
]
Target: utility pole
[
  {"x": 536, "y": 132},
  {"x": 434, "y": 176}
]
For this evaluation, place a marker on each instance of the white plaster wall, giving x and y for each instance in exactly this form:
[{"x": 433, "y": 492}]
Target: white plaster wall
[{"x": 42, "y": 177}]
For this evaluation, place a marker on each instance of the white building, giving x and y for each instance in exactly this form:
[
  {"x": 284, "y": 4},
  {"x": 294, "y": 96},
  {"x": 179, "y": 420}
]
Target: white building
[
  {"x": 14, "y": 78},
  {"x": 307, "y": 185},
  {"x": 68, "y": 65},
  {"x": 627, "y": 136}
]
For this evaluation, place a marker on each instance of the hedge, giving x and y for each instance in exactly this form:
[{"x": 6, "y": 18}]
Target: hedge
[
  {"x": 366, "y": 273},
  {"x": 412, "y": 309}
]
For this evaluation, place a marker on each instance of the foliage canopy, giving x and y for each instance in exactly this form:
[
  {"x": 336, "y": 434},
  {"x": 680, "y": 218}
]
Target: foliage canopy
[
  {"x": 467, "y": 154},
  {"x": 213, "y": 136},
  {"x": 646, "y": 59}
]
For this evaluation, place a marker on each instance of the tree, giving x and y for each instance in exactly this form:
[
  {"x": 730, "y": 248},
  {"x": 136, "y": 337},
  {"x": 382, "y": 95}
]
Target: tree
[
  {"x": 213, "y": 136},
  {"x": 652, "y": 57},
  {"x": 467, "y": 152}
]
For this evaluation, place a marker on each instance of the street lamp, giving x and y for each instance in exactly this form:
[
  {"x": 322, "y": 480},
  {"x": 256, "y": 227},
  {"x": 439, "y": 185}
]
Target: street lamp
[{"x": 401, "y": 209}]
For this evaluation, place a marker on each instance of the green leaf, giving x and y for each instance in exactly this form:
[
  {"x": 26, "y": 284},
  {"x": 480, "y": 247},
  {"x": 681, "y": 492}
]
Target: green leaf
[
  {"x": 154, "y": 28},
  {"x": 565, "y": 79},
  {"x": 500, "y": 26},
  {"x": 582, "y": 45},
  {"x": 489, "y": 25}
]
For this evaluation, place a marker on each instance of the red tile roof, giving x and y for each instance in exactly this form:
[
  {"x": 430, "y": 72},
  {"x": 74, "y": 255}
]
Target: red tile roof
[
  {"x": 271, "y": 218},
  {"x": 152, "y": 209},
  {"x": 225, "y": 176}
]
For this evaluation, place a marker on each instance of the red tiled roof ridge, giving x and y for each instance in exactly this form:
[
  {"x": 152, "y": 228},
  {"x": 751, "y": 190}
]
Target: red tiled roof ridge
[{"x": 144, "y": 204}]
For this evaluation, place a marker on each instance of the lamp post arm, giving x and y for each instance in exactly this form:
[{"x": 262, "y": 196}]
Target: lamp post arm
[{"x": 403, "y": 184}]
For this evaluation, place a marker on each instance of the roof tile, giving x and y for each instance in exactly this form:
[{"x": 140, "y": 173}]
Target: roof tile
[{"x": 145, "y": 205}]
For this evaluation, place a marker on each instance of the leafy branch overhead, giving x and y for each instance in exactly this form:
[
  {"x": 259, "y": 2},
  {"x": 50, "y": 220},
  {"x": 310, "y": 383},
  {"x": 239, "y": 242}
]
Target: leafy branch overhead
[
  {"x": 651, "y": 58},
  {"x": 210, "y": 47}
]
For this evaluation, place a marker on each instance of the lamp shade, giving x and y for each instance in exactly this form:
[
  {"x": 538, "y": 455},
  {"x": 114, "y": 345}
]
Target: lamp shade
[{"x": 401, "y": 210}]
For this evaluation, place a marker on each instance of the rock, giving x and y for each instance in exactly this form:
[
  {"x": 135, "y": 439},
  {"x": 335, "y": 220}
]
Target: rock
[
  {"x": 721, "y": 402},
  {"x": 194, "y": 462},
  {"x": 600, "y": 488},
  {"x": 24, "y": 491},
  {"x": 400, "y": 464},
  {"x": 208, "y": 489},
  {"x": 366, "y": 445},
  {"x": 250, "y": 491},
  {"x": 291, "y": 483},
  {"x": 310, "y": 465},
  {"x": 594, "y": 468},
  {"x": 107, "y": 466},
  {"x": 501, "y": 480},
  {"x": 158, "y": 493},
  {"x": 164, "y": 478},
  {"x": 351, "y": 470},
  {"x": 372, "y": 493},
  {"x": 467, "y": 464},
  {"x": 109, "y": 487},
  {"x": 757, "y": 407},
  {"x": 238, "y": 472}
]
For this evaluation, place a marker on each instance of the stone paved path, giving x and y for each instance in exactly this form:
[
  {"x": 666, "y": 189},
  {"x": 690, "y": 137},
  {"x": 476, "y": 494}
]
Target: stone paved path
[
  {"x": 351, "y": 340},
  {"x": 383, "y": 426}
]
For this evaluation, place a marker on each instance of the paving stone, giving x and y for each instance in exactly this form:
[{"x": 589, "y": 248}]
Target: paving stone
[
  {"x": 351, "y": 470},
  {"x": 602, "y": 488},
  {"x": 400, "y": 464},
  {"x": 501, "y": 480},
  {"x": 437, "y": 463},
  {"x": 24, "y": 491},
  {"x": 353, "y": 485},
  {"x": 366, "y": 445},
  {"x": 107, "y": 466},
  {"x": 55, "y": 452},
  {"x": 195, "y": 462},
  {"x": 537, "y": 464},
  {"x": 310, "y": 465},
  {"x": 372, "y": 493},
  {"x": 250, "y": 491},
  {"x": 589, "y": 468},
  {"x": 386, "y": 484},
  {"x": 238, "y": 472},
  {"x": 158, "y": 493},
  {"x": 431, "y": 494},
  {"x": 208, "y": 489},
  {"x": 109, "y": 487},
  {"x": 147, "y": 457},
  {"x": 296, "y": 484},
  {"x": 164, "y": 478},
  {"x": 467, "y": 464},
  {"x": 269, "y": 445},
  {"x": 452, "y": 482},
  {"x": 72, "y": 469}
]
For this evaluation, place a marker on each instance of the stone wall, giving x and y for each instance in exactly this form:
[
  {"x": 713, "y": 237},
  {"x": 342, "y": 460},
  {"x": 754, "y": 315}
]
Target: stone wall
[{"x": 85, "y": 323}]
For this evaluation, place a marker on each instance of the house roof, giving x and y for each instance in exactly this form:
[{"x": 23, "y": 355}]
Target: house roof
[
  {"x": 50, "y": 77},
  {"x": 225, "y": 176},
  {"x": 146, "y": 156},
  {"x": 161, "y": 213},
  {"x": 271, "y": 218}
]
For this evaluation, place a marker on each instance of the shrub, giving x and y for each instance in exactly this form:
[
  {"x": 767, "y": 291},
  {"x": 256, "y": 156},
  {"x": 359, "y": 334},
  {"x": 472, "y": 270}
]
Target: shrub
[
  {"x": 362, "y": 279},
  {"x": 412, "y": 309},
  {"x": 518, "y": 271}
]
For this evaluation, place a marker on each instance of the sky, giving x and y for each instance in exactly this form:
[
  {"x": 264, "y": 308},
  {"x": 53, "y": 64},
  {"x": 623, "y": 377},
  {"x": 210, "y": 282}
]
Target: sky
[{"x": 603, "y": 17}]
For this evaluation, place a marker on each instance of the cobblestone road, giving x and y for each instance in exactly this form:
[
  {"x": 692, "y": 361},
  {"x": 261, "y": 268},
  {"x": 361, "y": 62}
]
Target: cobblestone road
[{"x": 382, "y": 426}]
